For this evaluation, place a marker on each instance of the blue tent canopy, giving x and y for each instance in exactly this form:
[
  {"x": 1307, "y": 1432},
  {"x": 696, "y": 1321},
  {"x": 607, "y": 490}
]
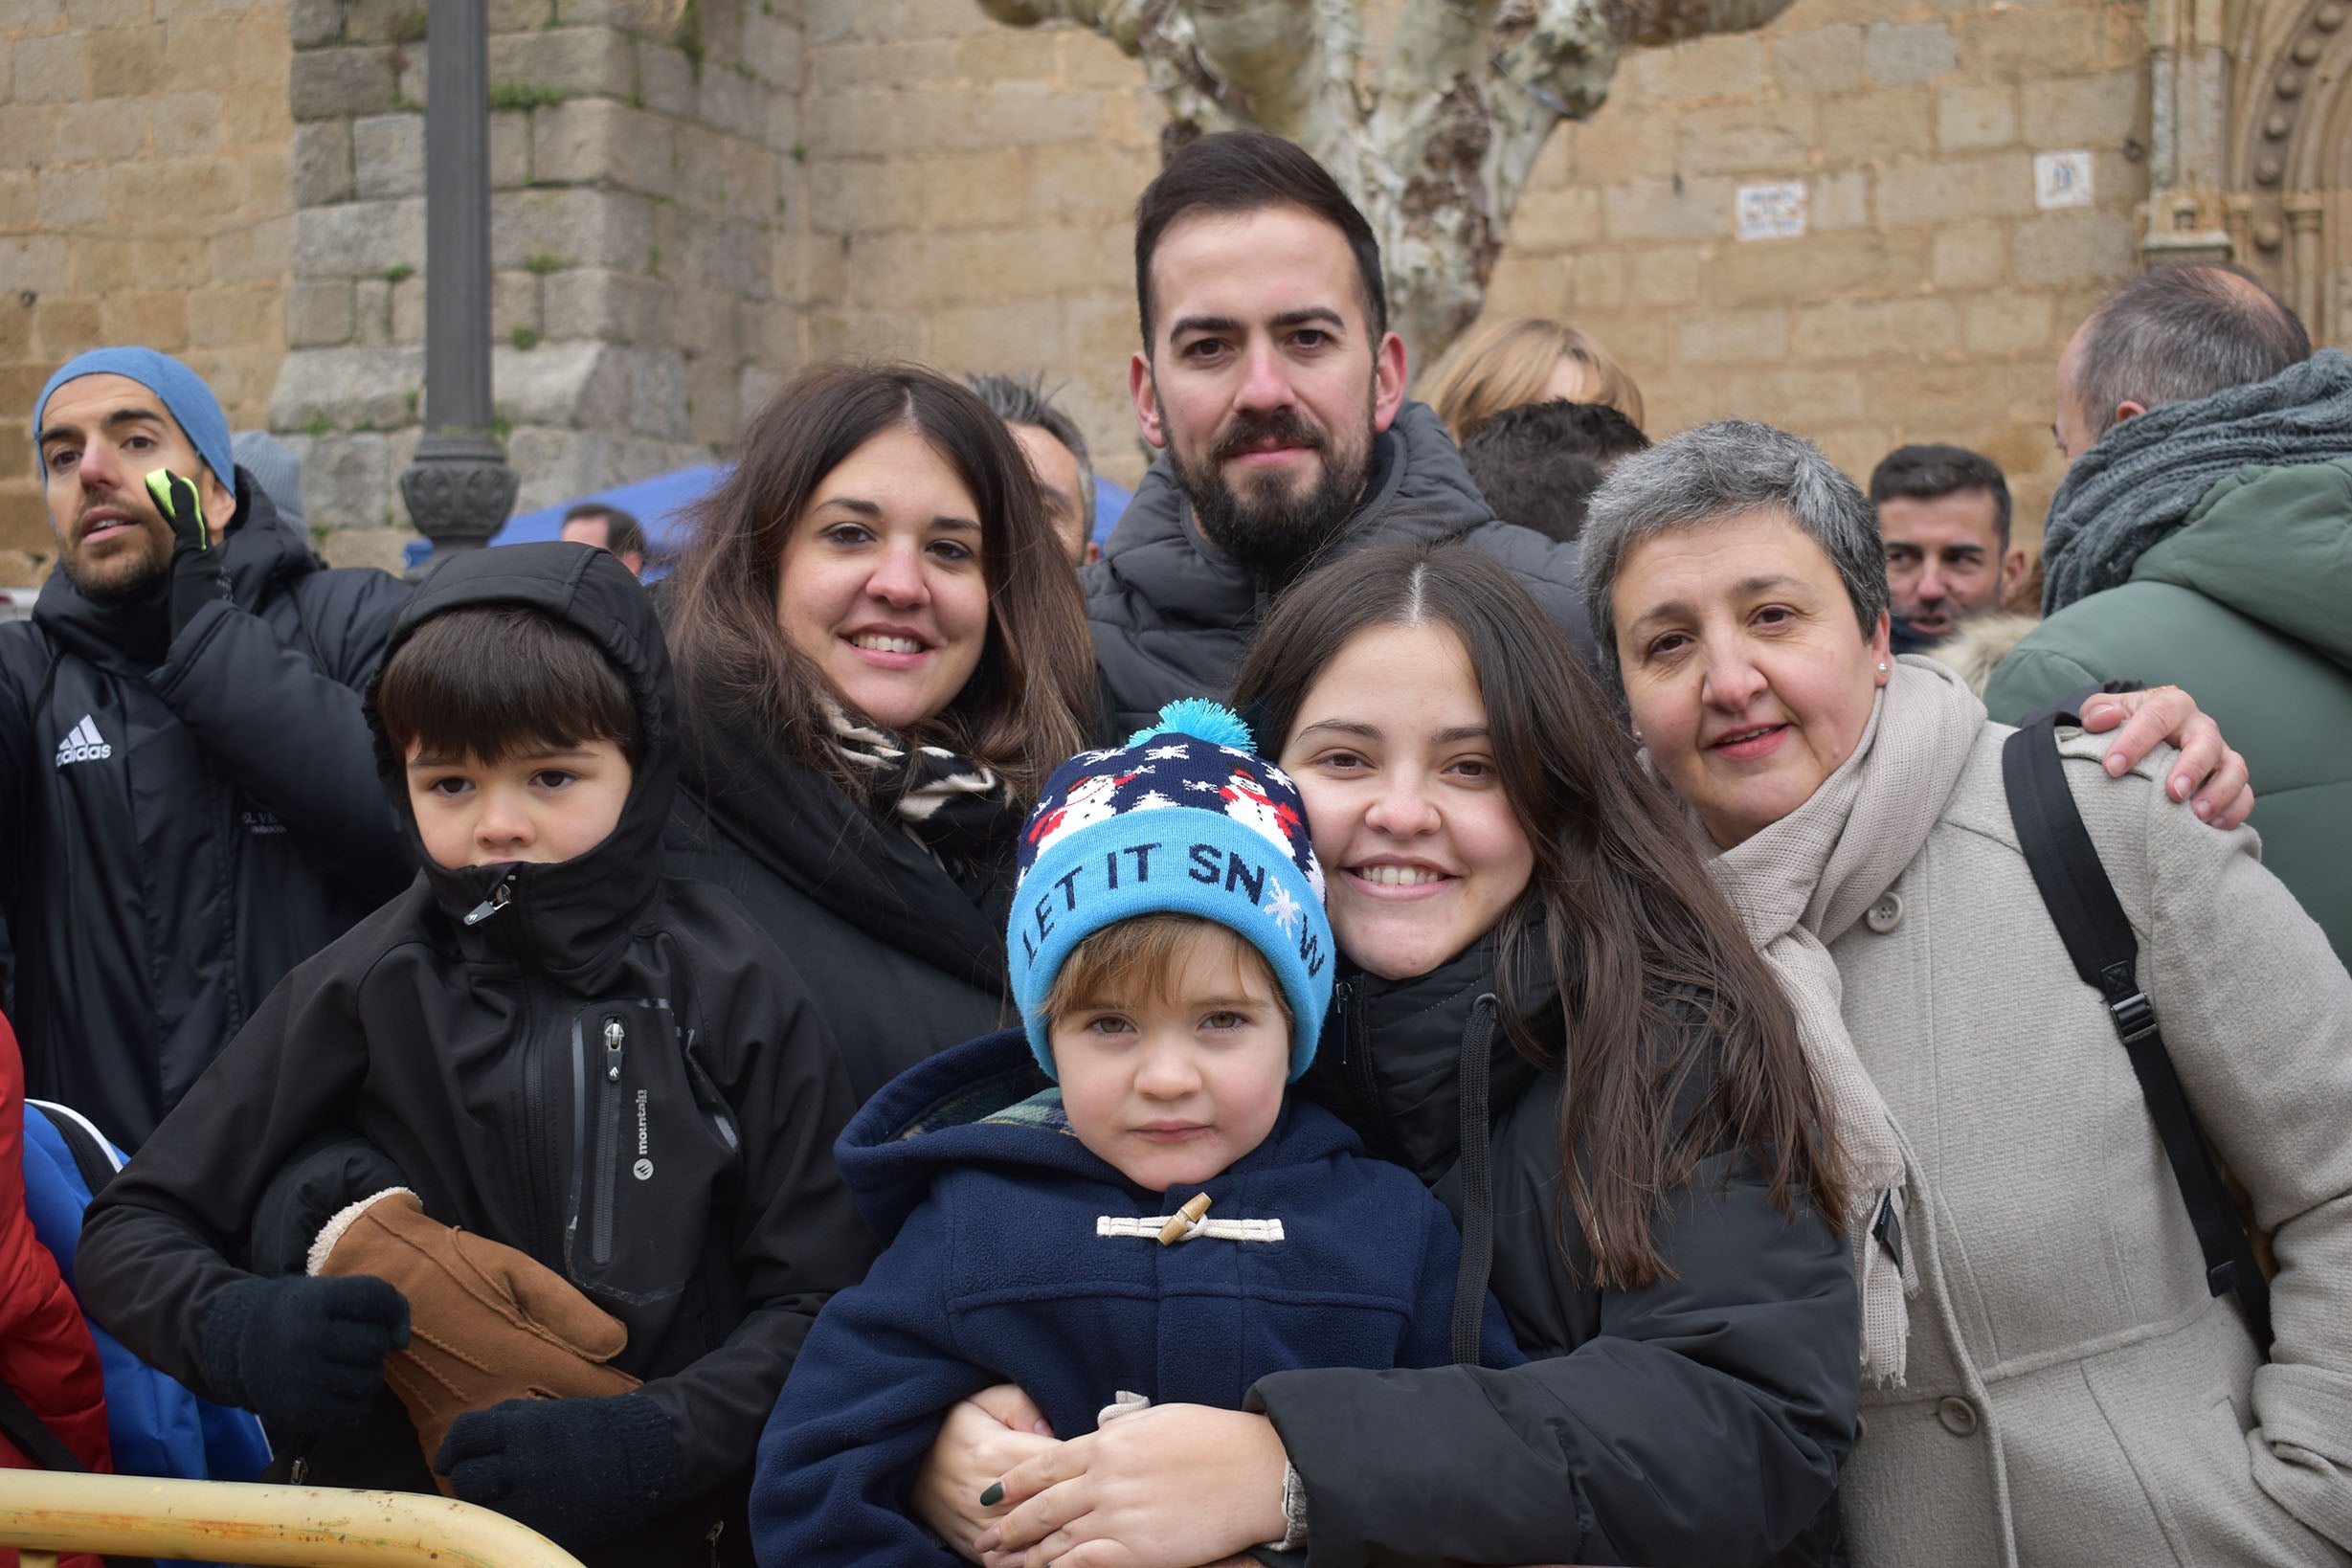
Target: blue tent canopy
[{"x": 660, "y": 502}]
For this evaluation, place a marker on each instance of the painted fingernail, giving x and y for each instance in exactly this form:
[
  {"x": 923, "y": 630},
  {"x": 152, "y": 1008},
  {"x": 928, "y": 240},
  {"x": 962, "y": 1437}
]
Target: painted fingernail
[{"x": 994, "y": 1495}]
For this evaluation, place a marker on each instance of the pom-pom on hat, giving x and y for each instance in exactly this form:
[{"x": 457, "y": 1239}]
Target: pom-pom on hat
[{"x": 1185, "y": 819}]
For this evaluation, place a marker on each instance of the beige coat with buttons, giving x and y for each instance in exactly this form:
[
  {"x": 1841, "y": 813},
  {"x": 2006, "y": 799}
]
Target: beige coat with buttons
[{"x": 2071, "y": 1385}]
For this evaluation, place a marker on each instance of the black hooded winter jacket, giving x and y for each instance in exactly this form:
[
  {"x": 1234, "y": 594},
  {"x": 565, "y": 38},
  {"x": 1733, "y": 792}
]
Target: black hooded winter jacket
[
  {"x": 184, "y": 819},
  {"x": 900, "y": 962},
  {"x": 1172, "y": 617},
  {"x": 614, "y": 1070},
  {"x": 1695, "y": 1422}
]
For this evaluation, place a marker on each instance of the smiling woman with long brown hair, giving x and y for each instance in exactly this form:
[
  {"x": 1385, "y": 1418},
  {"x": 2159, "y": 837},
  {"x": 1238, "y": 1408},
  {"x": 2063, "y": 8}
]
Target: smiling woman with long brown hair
[
  {"x": 1548, "y": 1013},
  {"x": 880, "y": 652}
]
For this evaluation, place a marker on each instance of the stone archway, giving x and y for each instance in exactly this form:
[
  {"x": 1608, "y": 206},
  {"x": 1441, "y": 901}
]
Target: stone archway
[{"x": 2288, "y": 177}]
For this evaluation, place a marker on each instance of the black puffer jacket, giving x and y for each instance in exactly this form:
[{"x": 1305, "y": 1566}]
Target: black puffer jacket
[
  {"x": 614, "y": 1071},
  {"x": 1699, "y": 1421},
  {"x": 1171, "y": 616},
  {"x": 184, "y": 819},
  {"x": 900, "y": 960}
]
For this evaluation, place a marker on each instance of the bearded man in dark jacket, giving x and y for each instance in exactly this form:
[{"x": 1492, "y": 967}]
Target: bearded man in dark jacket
[
  {"x": 187, "y": 795},
  {"x": 1271, "y": 383}
]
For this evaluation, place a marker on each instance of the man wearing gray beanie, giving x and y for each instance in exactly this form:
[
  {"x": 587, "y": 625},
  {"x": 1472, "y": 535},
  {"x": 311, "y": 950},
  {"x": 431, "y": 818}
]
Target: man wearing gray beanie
[{"x": 189, "y": 805}]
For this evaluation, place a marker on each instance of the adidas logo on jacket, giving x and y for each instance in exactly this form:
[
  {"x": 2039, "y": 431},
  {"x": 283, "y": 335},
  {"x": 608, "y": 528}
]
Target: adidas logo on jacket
[{"x": 82, "y": 743}]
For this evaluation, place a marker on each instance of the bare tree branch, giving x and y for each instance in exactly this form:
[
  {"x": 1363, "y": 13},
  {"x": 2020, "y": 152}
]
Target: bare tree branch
[{"x": 1438, "y": 150}]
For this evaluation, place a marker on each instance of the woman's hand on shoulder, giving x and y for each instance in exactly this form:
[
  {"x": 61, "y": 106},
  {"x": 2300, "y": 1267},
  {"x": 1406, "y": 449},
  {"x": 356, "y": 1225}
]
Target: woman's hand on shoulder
[
  {"x": 2206, "y": 769},
  {"x": 1166, "y": 1487},
  {"x": 981, "y": 1438}
]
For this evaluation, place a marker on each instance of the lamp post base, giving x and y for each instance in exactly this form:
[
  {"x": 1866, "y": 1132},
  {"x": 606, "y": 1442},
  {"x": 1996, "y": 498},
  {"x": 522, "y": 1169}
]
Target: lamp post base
[{"x": 459, "y": 490}]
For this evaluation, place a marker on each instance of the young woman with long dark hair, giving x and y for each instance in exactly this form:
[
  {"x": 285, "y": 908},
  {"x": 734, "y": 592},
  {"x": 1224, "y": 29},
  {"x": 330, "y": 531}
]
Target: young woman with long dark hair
[
  {"x": 1549, "y": 1013},
  {"x": 882, "y": 652}
]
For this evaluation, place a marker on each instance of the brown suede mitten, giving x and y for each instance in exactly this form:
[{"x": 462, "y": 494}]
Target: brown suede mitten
[{"x": 486, "y": 1323}]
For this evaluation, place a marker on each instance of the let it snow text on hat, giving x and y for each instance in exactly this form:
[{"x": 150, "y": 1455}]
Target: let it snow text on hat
[{"x": 1184, "y": 818}]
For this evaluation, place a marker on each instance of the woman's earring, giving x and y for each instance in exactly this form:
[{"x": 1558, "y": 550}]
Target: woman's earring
[{"x": 1882, "y": 669}]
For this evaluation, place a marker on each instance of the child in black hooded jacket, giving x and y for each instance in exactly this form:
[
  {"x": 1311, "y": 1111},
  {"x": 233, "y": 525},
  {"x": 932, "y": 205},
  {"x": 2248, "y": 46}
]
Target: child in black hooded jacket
[{"x": 560, "y": 1049}]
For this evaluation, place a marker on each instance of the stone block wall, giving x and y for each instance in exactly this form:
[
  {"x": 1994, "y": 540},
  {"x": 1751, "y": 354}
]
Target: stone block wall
[
  {"x": 1930, "y": 296},
  {"x": 145, "y": 196},
  {"x": 971, "y": 186},
  {"x": 971, "y": 189},
  {"x": 696, "y": 197},
  {"x": 646, "y": 172}
]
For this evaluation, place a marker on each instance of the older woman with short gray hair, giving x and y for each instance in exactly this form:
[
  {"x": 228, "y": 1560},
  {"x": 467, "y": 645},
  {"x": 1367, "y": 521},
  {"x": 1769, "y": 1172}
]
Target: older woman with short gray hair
[{"x": 2050, "y": 1379}]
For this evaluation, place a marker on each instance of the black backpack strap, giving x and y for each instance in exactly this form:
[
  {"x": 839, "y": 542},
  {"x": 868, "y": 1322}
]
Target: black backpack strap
[
  {"x": 92, "y": 1157},
  {"x": 35, "y": 1440},
  {"x": 33, "y": 1436},
  {"x": 2090, "y": 921}
]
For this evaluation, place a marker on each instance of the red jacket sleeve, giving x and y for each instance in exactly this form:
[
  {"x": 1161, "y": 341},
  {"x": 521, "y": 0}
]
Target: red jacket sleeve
[{"x": 46, "y": 1355}]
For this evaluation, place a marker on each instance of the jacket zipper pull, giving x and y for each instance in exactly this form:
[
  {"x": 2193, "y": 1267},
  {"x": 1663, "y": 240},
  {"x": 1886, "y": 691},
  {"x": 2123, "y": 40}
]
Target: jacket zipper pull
[
  {"x": 614, "y": 1035},
  {"x": 500, "y": 897},
  {"x": 1343, "y": 998}
]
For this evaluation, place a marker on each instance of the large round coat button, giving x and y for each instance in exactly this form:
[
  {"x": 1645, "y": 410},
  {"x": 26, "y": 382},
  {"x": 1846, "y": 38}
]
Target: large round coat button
[
  {"x": 1886, "y": 914},
  {"x": 1958, "y": 1415}
]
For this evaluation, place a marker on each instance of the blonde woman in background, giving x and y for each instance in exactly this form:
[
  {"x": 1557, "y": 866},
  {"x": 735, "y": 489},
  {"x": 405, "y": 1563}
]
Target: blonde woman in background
[{"x": 1525, "y": 359}]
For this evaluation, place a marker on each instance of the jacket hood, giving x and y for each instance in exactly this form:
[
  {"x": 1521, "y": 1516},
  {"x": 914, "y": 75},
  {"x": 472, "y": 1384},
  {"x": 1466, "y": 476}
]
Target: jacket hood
[
  {"x": 2274, "y": 544},
  {"x": 1391, "y": 1061},
  {"x": 986, "y": 1102},
  {"x": 1418, "y": 490},
  {"x": 263, "y": 557},
  {"x": 1979, "y": 645},
  {"x": 573, "y": 918}
]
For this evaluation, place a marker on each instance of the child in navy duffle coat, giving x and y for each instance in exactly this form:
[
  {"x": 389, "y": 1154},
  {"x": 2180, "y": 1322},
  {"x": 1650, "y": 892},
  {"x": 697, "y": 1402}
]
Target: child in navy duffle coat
[{"x": 1038, "y": 1189}]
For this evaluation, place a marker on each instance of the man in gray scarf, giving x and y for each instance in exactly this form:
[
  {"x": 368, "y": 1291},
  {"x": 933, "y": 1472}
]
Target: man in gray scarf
[{"x": 2203, "y": 538}]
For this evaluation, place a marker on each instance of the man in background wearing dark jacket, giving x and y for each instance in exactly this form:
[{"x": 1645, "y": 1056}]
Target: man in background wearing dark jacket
[
  {"x": 1271, "y": 383},
  {"x": 187, "y": 795},
  {"x": 2203, "y": 538}
]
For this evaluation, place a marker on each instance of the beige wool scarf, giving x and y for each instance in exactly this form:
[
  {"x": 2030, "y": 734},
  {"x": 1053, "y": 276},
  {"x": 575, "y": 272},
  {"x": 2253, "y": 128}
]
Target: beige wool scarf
[{"x": 1798, "y": 885}]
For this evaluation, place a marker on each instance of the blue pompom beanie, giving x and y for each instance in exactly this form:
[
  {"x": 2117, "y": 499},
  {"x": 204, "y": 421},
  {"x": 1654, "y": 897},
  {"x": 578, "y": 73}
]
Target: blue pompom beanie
[
  {"x": 1185, "y": 819},
  {"x": 185, "y": 395}
]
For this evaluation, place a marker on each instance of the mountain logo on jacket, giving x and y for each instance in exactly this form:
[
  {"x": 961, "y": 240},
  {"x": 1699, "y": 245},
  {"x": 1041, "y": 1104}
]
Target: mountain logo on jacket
[{"x": 82, "y": 743}]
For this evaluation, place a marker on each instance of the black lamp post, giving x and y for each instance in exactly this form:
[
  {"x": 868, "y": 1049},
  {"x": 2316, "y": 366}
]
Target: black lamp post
[{"x": 458, "y": 487}]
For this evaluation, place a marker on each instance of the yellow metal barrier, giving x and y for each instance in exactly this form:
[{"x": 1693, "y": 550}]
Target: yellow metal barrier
[{"x": 42, "y": 1512}]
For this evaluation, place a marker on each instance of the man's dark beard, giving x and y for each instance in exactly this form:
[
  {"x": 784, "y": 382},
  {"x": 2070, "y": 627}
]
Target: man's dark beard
[
  {"x": 117, "y": 581},
  {"x": 1271, "y": 530}
]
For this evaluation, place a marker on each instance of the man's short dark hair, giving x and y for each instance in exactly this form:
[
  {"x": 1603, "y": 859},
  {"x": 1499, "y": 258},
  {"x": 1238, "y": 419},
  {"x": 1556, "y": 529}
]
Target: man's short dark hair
[
  {"x": 1926, "y": 472},
  {"x": 1022, "y": 400},
  {"x": 2180, "y": 333},
  {"x": 623, "y": 533},
  {"x": 1539, "y": 463},
  {"x": 496, "y": 680},
  {"x": 1247, "y": 171}
]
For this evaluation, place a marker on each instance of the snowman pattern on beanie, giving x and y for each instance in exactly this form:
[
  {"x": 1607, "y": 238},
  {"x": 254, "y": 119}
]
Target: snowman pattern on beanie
[
  {"x": 1249, "y": 802},
  {"x": 1180, "y": 820},
  {"x": 1093, "y": 798}
]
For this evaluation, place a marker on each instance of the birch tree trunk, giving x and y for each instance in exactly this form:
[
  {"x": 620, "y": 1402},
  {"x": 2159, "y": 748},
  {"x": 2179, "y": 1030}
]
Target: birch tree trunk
[{"x": 1435, "y": 143}]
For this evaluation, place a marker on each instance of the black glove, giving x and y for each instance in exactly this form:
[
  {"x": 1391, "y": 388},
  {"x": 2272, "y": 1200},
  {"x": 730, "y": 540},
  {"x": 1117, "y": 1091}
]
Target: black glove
[
  {"x": 309, "y": 1352},
  {"x": 578, "y": 1471},
  {"x": 197, "y": 575}
]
